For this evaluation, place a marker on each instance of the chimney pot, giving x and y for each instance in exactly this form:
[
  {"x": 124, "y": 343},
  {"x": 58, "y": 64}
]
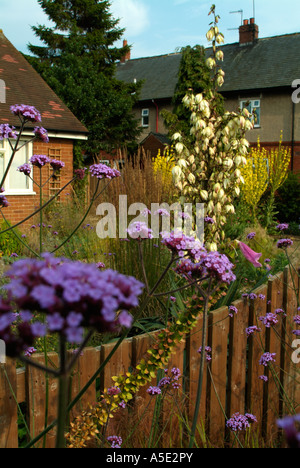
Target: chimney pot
[
  {"x": 127, "y": 56},
  {"x": 248, "y": 32}
]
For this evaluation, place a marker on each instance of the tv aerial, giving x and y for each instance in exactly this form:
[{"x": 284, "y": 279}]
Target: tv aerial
[{"x": 241, "y": 12}]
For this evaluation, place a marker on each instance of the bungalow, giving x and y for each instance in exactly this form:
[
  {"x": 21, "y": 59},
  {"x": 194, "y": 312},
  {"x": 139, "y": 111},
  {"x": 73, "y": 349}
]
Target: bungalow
[
  {"x": 261, "y": 74},
  {"x": 21, "y": 84}
]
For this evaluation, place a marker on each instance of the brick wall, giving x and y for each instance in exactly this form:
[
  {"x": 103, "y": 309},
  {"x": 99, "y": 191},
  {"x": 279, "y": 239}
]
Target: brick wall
[{"x": 20, "y": 206}]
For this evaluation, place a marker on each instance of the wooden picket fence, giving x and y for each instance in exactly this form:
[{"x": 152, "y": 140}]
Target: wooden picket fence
[{"x": 231, "y": 381}]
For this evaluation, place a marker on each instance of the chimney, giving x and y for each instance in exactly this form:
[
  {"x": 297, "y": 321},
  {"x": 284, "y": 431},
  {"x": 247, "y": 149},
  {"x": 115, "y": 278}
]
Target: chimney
[
  {"x": 125, "y": 57},
  {"x": 248, "y": 32}
]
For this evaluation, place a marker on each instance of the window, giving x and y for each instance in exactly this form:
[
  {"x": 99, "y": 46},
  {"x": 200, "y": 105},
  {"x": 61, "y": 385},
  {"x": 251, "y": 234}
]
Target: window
[
  {"x": 145, "y": 117},
  {"x": 253, "y": 106},
  {"x": 16, "y": 182}
]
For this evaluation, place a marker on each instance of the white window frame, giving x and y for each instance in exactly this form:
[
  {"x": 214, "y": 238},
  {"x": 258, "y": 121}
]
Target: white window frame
[
  {"x": 5, "y": 152},
  {"x": 145, "y": 115},
  {"x": 254, "y": 104}
]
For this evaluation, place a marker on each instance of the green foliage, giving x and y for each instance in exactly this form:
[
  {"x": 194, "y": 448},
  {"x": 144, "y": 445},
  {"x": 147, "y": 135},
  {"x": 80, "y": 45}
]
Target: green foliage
[
  {"x": 194, "y": 75},
  {"x": 287, "y": 200},
  {"x": 8, "y": 241},
  {"x": 78, "y": 62}
]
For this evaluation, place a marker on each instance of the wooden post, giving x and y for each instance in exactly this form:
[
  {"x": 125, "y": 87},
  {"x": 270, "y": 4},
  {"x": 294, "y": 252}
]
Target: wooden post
[{"x": 8, "y": 405}]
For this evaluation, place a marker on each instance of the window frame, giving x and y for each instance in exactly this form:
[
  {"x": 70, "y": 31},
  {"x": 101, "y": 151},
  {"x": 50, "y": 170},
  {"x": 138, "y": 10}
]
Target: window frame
[
  {"x": 251, "y": 103},
  {"x": 145, "y": 116},
  {"x": 5, "y": 150}
]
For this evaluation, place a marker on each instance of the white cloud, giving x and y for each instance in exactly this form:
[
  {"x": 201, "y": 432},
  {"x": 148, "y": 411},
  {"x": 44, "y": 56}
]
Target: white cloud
[{"x": 133, "y": 15}]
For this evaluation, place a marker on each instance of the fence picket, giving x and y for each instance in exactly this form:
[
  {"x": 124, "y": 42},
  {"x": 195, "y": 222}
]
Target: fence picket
[
  {"x": 37, "y": 383},
  {"x": 8, "y": 406},
  {"x": 194, "y": 340},
  {"x": 217, "y": 379}
]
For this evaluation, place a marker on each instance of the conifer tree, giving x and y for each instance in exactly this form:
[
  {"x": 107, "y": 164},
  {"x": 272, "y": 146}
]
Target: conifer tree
[
  {"x": 194, "y": 76},
  {"x": 78, "y": 62}
]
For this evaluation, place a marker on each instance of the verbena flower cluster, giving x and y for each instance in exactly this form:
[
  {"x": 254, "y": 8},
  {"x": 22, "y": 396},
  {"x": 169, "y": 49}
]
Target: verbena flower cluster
[
  {"x": 266, "y": 358},
  {"x": 29, "y": 113},
  {"x": 290, "y": 425},
  {"x": 3, "y": 200},
  {"x": 102, "y": 171},
  {"x": 39, "y": 160},
  {"x": 240, "y": 422},
  {"x": 7, "y": 132},
  {"x": 282, "y": 226},
  {"x": 166, "y": 381},
  {"x": 179, "y": 243},
  {"x": 139, "y": 230},
  {"x": 284, "y": 243},
  {"x": 72, "y": 295},
  {"x": 116, "y": 441},
  {"x": 200, "y": 261},
  {"x": 41, "y": 134},
  {"x": 207, "y": 352}
]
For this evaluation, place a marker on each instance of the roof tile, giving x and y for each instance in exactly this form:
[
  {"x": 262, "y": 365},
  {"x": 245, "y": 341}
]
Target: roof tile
[{"x": 25, "y": 86}]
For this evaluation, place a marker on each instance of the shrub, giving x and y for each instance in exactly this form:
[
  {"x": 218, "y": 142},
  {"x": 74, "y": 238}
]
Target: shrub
[{"x": 287, "y": 199}]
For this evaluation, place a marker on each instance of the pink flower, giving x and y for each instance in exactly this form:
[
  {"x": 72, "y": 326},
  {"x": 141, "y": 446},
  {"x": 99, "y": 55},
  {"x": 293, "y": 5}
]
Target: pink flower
[{"x": 250, "y": 255}]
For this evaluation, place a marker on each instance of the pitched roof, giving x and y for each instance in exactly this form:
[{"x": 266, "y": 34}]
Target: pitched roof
[
  {"x": 25, "y": 86},
  {"x": 160, "y": 74},
  {"x": 266, "y": 63}
]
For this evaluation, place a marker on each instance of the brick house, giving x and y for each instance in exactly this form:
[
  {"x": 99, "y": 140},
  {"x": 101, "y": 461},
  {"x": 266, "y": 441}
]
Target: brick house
[
  {"x": 21, "y": 84},
  {"x": 259, "y": 74}
]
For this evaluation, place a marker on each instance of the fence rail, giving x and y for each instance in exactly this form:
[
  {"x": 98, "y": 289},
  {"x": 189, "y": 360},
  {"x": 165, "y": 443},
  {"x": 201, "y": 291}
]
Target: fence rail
[{"x": 231, "y": 381}]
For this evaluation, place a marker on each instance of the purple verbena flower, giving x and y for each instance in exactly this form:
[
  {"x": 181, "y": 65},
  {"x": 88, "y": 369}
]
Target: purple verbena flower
[
  {"x": 232, "y": 310},
  {"x": 289, "y": 425},
  {"x": 252, "y": 329},
  {"x": 72, "y": 295},
  {"x": 41, "y": 134},
  {"x": 56, "y": 165},
  {"x": 139, "y": 230},
  {"x": 39, "y": 160},
  {"x": 269, "y": 320},
  {"x": 7, "y": 132},
  {"x": 251, "y": 235},
  {"x": 29, "y": 113},
  {"x": 102, "y": 171},
  {"x": 153, "y": 390},
  {"x": 266, "y": 358},
  {"x": 25, "y": 168},
  {"x": 112, "y": 391},
  {"x": 282, "y": 226},
  {"x": 284, "y": 243},
  {"x": 116, "y": 441},
  {"x": 80, "y": 173},
  {"x": 240, "y": 422}
]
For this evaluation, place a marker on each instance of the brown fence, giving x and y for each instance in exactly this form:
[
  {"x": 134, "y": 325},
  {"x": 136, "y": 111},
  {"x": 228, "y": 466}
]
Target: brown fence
[{"x": 231, "y": 381}]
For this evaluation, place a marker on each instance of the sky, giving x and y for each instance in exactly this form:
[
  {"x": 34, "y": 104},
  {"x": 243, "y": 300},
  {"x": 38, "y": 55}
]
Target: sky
[{"x": 157, "y": 27}]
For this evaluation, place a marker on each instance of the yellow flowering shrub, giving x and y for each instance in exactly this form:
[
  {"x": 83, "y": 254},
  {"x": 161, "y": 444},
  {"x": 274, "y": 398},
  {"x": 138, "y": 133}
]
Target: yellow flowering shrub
[
  {"x": 256, "y": 177},
  {"x": 279, "y": 161},
  {"x": 265, "y": 169},
  {"x": 163, "y": 165}
]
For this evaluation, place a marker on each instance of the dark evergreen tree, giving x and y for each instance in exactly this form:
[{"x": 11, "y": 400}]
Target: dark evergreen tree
[
  {"x": 194, "y": 75},
  {"x": 78, "y": 62}
]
